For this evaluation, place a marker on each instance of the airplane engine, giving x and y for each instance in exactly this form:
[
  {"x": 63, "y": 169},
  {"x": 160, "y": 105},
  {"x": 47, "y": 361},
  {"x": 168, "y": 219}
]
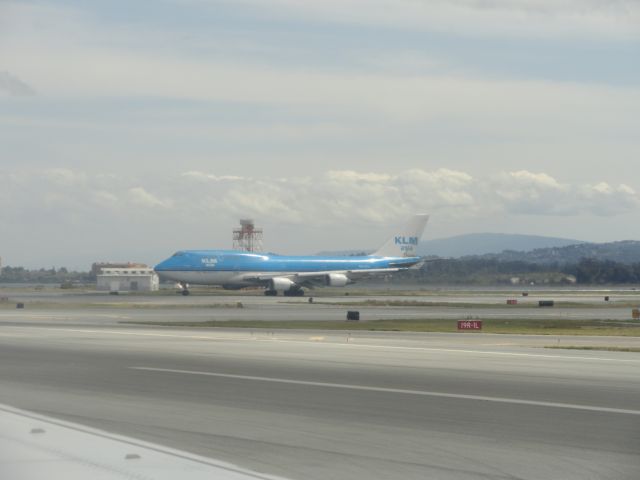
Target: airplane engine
[
  {"x": 336, "y": 280},
  {"x": 281, "y": 284}
]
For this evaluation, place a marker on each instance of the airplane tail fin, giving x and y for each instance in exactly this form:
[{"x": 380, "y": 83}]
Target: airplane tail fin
[{"x": 405, "y": 241}]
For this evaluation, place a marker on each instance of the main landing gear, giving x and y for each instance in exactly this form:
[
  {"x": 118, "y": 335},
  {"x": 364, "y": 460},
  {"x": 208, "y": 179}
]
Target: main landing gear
[
  {"x": 183, "y": 288},
  {"x": 294, "y": 292}
]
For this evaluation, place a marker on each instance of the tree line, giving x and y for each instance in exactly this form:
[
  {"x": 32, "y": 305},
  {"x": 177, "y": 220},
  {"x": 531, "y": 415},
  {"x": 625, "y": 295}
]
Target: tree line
[
  {"x": 42, "y": 275},
  {"x": 466, "y": 270},
  {"x": 592, "y": 271},
  {"x": 479, "y": 270}
]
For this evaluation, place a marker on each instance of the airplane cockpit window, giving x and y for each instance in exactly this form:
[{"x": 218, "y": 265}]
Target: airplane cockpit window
[{"x": 178, "y": 254}]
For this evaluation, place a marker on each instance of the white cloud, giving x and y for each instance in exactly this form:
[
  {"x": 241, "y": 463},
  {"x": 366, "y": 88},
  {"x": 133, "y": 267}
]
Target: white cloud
[
  {"x": 338, "y": 105},
  {"x": 288, "y": 135},
  {"x": 75, "y": 62},
  {"x": 211, "y": 177},
  {"x": 139, "y": 196},
  {"x": 105, "y": 199},
  {"x": 65, "y": 177},
  {"x": 338, "y": 197},
  {"x": 344, "y": 196},
  {"x": 524, "y": 192},
  {"x": 604, "y": 199},
  {"x": 104, "y": 212}
]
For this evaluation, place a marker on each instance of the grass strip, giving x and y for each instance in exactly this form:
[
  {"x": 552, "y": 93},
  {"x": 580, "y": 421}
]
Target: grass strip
[
  {"x": 515, "y": 326},
  {"x": 421, "y": 303},
  {"x": 602, "y": 348},
  {"x": 118, "y": 305}
]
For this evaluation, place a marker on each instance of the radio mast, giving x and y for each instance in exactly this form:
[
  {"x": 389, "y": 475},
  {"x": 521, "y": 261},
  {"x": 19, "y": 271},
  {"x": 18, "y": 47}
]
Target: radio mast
[{"x": 247, "y": 238}]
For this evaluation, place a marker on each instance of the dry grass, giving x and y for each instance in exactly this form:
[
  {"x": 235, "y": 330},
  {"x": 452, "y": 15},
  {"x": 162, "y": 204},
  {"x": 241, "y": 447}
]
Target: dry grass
[{"x": 513, "y": 326}]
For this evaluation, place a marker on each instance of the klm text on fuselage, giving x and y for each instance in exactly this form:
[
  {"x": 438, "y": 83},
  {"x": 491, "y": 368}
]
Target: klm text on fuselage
[{"x": 406, "y": 240}]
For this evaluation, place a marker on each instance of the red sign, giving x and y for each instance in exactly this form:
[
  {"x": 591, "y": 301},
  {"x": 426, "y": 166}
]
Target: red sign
[{"x": 469, "y": 324}]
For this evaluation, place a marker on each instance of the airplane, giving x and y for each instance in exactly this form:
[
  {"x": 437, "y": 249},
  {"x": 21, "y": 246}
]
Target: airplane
[{"x": 235, "y": 269}]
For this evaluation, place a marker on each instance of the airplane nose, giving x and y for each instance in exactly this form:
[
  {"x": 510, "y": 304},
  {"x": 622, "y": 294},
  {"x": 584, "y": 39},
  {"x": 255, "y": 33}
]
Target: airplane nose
[{"x": 161, "y": 266}]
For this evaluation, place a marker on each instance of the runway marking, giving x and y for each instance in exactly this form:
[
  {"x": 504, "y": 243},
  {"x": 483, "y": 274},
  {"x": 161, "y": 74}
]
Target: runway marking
[
  {"x": 59, "y": 316},
  {"x": 116, "y": 332},
  {"x": 351, "y": 344},
  {"x": 425, "y": 393}
]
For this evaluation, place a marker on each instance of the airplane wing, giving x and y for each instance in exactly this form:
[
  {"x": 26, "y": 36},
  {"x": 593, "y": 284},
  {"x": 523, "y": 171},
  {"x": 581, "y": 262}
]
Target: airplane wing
[
  {"x": 320, "y": 278},
  {"x": 36, "y": 447},
  {"x": 316, "y": 278}
]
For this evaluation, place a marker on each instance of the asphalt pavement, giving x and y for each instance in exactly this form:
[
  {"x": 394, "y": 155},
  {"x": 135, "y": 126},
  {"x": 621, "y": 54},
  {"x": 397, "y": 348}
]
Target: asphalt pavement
[{"x": 319, "y": 405}]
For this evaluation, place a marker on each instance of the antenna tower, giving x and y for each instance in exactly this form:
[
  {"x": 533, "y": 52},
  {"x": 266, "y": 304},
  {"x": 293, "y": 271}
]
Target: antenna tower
[{"x": 247, "y": 237}]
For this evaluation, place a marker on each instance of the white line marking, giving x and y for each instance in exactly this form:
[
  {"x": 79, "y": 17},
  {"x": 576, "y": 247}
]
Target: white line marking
[
  {"x": 424, "y": 393},
  {"x": 265, "y": 338},
  {"x": 57, "y": 316},
  {"x": 137, "y": 334}
]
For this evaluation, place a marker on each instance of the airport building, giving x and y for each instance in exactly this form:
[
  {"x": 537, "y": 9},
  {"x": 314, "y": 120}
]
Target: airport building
[
  {"x": 128, "y": 279},
  {"x": 97, "y": 267}
]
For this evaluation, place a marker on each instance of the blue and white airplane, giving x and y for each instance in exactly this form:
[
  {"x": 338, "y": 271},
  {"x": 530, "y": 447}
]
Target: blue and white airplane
[{"x": 233, "y": 269}]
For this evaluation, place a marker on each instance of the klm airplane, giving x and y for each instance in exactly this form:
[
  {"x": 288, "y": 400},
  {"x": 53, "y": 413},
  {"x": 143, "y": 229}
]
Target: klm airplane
[{"x": 288, "y": 275}]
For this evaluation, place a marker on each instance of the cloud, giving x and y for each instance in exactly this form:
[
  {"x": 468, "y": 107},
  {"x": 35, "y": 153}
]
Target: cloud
[
  {"x": 79, "y": 65},
  {"x": 337, "y": 197},
  {"x": 343, "y": 196},
  {"x": 334, "y": 198},
  {"x": 604, "y": 199},
  {"x": 209, "y": 177},
  {"x": 73, "y": 210},
  {"x": 527, "y": 193},
  {"x": 14, "y": 86},
  {"x": 139, "y": 196},
  {"x": 330, "y": 105},
  {"x": 538, "y": 18},
  {"x": 65, "y": 177},
  {"x": 79, "y": 62},
  {"x": 104, "y": 199}
]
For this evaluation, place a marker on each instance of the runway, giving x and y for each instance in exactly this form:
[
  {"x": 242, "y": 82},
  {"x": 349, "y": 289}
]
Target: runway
[
  {"x": 319, "y": 405},
  {"x": 111, "y": 310},
  {"x": 100, "y": 317}
]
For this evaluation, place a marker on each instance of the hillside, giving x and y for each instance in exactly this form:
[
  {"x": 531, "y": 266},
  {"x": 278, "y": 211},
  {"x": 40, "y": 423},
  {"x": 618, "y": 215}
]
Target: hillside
[
  {"x": 523, "y": 248},
  {"x": 483, "y": 243},
  {"x": 626, "y": 252},
  {"x": 476, "y": 244}
]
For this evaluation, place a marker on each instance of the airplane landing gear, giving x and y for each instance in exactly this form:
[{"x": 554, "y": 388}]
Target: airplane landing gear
[
  {"x": 294, "y": 292},
  {"x": 184, "y": 288}
]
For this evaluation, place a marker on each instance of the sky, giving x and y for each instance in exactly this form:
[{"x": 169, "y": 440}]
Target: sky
[{"x": 130, "y": 130}]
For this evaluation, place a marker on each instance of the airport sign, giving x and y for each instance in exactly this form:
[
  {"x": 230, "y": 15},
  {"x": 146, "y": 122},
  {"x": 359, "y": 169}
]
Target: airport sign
[{"x": 469, "y": 324}]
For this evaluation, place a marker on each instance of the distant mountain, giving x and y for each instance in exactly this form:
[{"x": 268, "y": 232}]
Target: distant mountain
[
  {"x": 488, "y": 243},
  {"x": 345, "y": 253},
  {"x": 477, "y": 244},
  {"x": 627, "y": 251}
]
